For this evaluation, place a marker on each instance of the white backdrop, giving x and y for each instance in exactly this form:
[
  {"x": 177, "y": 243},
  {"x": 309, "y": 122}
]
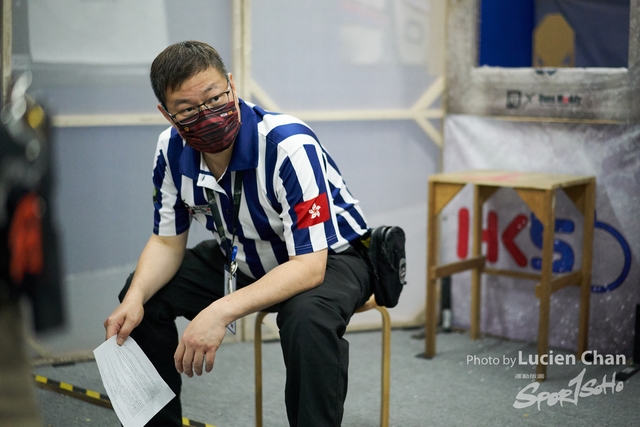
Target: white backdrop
[{"x": 509, "y": 307}]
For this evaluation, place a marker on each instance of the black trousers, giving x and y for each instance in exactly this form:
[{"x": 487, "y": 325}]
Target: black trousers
[{"x": 312, "y": 325}]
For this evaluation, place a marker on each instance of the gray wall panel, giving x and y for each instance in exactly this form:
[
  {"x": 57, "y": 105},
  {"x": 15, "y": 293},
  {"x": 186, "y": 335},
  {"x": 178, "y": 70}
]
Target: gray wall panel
[{"x": 103, "y": 193}]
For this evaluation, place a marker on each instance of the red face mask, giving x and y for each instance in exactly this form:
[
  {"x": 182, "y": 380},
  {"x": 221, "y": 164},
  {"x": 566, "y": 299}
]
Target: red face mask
[{"x": 215, "y": 131}]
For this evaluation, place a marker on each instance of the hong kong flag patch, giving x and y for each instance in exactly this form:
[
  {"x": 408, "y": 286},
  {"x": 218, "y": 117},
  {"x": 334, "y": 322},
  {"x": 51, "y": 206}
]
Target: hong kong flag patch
[{"x": 312, "y": 212}]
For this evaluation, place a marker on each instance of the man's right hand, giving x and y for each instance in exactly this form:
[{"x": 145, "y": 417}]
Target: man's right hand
[
  {"x": 123, "y": 320},
  {"x": 158, "y": 263}
]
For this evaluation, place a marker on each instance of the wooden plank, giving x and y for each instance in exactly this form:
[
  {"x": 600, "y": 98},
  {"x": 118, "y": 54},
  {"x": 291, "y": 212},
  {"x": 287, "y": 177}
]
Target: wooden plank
[
  {"x": 456, "y": 267},
  {"x": 548, "y": 221},
  {"x": 91, "y": 120},
  {"x": 587, "y": 255},
  {"x": 443, "y": 193},
  {"x": 562, "y": 281},
  {"x": 430, "y": 95},
  {"x": 476, "y": 274},
  {"x": 484, "y": 193},
  {"x": 257, "y": 354},
  {"x": 236, "y": 47},
  {"x": 431, "y": 320},
  {"x": 368, "y": 114},
  {"x": 430, "y": 130},
  {"x": 385, "y": 391},
  {"x": 512, "y": 179},
  {"x": 569, "y": 279},
  {"x": 535, "y": 200},
  {"x": 510, "y": 273},
  {"x": 576, "y": 194},
  {"x": 432, "y": 260},
  {"x": 246, "y": 48}
]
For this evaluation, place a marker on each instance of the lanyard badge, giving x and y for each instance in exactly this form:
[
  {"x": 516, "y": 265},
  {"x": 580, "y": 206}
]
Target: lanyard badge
[
  {"x": 231, "y": 267},
  {"x": 230, "y": 282}
]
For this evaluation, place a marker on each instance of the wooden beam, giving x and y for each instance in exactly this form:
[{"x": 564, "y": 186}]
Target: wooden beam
[
  {"x": 432, "y": 93},
  {"x": 430, "y": 130},
  {"x": 95, "y": 120},
  {"x": 547, "y": 218},
  {"x": 368, "y": 114},
  {"x": 137, "y": 119},
  {"x": 485, "y": 193},
  {"x": 562, "y": 281},
  {"x": 456, "y": 267},
  {"x": 587, "y": 254},
  {"x": 237, "y": 57},
  {"x": 432, "y": 261},
  {"x": 480, "y": 194},
  {"x": 535, "y": 200},
  {"x": 510, "y": 273},
  {"x": 247, "y": 44},
  {"x": 443, "y": 193},
  {"x": 576, "y": 194}
]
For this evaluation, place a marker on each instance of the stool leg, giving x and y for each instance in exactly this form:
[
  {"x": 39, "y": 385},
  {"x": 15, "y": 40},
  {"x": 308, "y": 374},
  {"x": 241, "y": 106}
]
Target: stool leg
[
  {"x": 257, "y": 345},
  {"x": 385, "y": 374},
  {"x": 476, "y": 274},
  {"x": 548, "y": 222},
  {"x": 587, "y": 254},
  {"x": 432, "y": 257},
  {"x": 386, "y": 367}
]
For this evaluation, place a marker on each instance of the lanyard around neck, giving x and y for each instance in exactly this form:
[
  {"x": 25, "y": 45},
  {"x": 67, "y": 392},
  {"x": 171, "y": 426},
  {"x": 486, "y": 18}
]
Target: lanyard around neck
[{"x": 237, "y": 193}]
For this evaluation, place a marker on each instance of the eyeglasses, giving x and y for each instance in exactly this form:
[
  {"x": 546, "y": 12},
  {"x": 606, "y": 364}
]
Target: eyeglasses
[{"x": 192, "y": 114}]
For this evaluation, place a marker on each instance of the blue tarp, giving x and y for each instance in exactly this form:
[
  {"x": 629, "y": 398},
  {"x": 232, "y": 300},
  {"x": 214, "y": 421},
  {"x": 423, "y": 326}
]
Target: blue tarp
[{"x": 601, "y": 30}]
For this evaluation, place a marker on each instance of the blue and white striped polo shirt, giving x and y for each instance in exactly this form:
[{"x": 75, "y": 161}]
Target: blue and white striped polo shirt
[{"x": 294, "y": 200}]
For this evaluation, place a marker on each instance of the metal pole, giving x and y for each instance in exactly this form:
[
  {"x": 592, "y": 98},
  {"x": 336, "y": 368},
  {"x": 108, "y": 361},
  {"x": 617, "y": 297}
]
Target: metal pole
[{"x": 6, "y": 48}]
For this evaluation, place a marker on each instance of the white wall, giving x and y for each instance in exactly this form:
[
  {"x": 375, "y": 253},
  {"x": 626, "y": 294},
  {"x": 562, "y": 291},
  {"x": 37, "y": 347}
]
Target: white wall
[{"x": 305, "y": 56}]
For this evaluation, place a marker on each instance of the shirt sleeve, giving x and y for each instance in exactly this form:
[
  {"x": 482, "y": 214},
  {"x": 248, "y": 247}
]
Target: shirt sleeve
[
  {"x": 307, "y": 212},
  {"x": 170, "y": 217}
]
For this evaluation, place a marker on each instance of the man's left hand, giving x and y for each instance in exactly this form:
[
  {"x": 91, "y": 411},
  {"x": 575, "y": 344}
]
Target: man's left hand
[{"x": 199, "y": 343}]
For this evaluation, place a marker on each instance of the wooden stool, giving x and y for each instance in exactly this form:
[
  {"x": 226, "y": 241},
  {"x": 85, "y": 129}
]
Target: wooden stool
[
  {"x": 538, "y": 191},
  {"x": 386, "y": 361}
]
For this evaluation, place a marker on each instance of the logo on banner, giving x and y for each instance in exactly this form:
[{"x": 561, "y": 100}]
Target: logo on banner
[
  {"x": 312, "y": 212},
  {"x": 516, "y": 100},
  {"x": 564, "y": 258},
  {"x": 562, "y": 99}
]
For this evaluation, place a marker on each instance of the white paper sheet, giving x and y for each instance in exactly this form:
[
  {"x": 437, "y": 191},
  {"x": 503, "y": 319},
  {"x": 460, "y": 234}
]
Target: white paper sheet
[{"x": 136, "y": 390}]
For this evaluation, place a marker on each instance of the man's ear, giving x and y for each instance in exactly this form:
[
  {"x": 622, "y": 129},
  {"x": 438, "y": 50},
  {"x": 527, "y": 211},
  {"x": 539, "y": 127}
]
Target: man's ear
[{"x": 166, "y": 116}]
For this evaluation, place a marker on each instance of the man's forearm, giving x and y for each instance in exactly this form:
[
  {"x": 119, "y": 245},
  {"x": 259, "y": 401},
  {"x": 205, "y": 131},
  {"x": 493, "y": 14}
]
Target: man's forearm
[
  {"x": 158, "y": 263},
  {"x": 299, "y": 274}
]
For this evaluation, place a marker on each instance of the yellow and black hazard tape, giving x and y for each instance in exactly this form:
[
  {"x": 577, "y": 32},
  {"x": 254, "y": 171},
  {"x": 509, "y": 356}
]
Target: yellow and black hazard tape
[
  {"x": 190, "y": 423},
  {"x": 73, "y": 391},
  {"x": 93, "y": 396}
]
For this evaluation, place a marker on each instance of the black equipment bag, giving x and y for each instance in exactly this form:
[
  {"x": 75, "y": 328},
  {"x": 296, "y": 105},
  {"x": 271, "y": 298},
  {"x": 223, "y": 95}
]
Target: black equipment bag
[{"x": 388, "y": 259}]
